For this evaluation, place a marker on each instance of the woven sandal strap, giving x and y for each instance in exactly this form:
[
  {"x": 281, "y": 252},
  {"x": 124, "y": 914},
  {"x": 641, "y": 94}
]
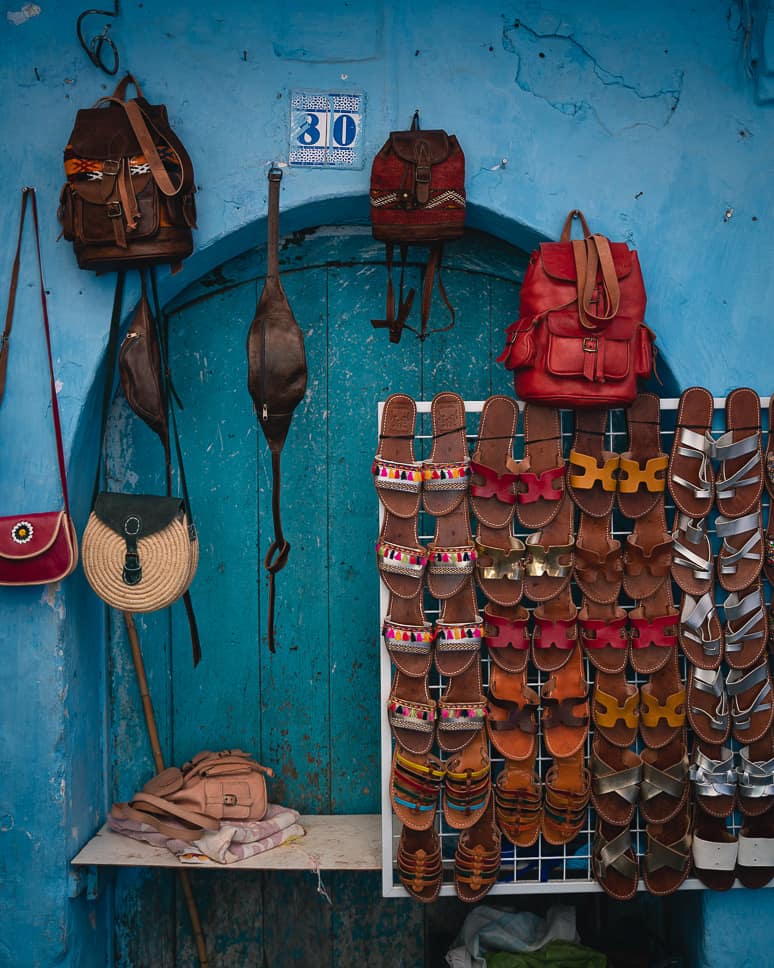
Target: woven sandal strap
[
  {"x": 713, "y": 778},
  {"x": 670, "y": 781}
]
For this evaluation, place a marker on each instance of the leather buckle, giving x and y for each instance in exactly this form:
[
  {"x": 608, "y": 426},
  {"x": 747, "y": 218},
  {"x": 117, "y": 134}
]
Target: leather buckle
[
  {"x": 110, "y": 167},
  {"x": 114, "y": 209},
  {"x": 422, "y": 174},
  {"x": 229, "y": 800},
  {"x": 590, "y": 344}
]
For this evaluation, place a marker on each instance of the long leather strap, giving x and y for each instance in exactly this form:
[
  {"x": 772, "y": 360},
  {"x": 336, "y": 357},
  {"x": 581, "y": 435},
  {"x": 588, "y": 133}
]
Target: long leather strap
[
  {"x": 29, "y": 193},
  {"x": 593, "y": 258},
  {"x": 567, "y": 227}
]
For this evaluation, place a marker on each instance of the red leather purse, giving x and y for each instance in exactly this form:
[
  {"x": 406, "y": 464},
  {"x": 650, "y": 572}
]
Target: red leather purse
[
  {"x": 39, "y": 548},
  {"x": 580, "y": 339}
]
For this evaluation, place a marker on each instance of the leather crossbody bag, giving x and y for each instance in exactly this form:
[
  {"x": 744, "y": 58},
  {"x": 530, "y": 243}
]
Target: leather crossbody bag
[
  {"x": 417, "y": 198},
  {"x": 41, "y": 547},
  {"x": 276, "y": 380},
  {"x": 580, "y": 339},
  {"x": 140, "y": 551}
]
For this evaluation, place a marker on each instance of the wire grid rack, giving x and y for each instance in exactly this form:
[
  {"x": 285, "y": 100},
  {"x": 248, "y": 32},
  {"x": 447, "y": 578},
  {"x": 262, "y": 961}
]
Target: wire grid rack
[{"x": 542, "y": 868}]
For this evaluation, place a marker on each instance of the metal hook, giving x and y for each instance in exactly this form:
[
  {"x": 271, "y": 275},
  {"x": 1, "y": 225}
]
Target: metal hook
[{"x": 94, "y": 48}]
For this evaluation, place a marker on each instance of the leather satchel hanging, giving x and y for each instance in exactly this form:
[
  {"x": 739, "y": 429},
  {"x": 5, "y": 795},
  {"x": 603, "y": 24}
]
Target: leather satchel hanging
[
  {"x": 41, "y": 547},
  {"x": 129, "y": 196},
  {"x": 276, "y": 379},
  {"x": 212, "y": 788},
  {"x": 140, "y": 551},
  {"x": 417, "y": 198},
  {"x": 580, "y": 339}
]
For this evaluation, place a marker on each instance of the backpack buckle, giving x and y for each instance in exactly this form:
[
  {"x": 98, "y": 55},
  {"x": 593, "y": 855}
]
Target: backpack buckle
[
  {"x": 590, "y": 344},
  {"x": 114, "y": 209},
  {"x": 110, "y": 167},
  {"x": 229, "y": 800},
  {"x": 422, "y": 174}
]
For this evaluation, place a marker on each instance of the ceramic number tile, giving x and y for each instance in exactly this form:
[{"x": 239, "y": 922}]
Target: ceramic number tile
[{"x": 326, "y": 129}]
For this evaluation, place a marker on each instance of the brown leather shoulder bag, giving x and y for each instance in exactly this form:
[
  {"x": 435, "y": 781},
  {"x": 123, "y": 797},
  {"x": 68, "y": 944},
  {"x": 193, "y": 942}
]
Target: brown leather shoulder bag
[{"x": 276, "y": 378}]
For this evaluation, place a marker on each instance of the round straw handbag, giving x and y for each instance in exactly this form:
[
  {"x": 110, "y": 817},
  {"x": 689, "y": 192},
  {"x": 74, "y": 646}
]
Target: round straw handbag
[{"x": 139, "y": 551}]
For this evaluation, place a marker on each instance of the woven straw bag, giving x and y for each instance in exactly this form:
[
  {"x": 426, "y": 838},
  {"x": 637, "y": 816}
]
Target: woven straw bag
[{"x": 139, "y": 551}]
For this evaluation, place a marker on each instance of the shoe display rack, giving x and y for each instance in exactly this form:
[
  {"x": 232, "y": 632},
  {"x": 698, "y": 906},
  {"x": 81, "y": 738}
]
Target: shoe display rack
[{"x": 542, "y": 867}]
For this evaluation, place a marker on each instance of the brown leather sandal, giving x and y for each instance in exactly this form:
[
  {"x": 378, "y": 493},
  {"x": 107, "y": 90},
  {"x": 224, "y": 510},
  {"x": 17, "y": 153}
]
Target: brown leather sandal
[
  {"x": 446, "y": 473},
  {"x": 459, "y": 632},
  {"x": 665, "y": 780},
  {"x": 598, "y": 560},
  {"x": 507, "y": 635},
  {"x": 768, "y": 537},
  {"x": 554, "y": 632},
  {"x": 647, "y": 554},
  {"x": 550, "y": 558},
  {"x": 477, "y": 859},
  {"x": 415, "y": 787},
  {"x": 746, "y": 627},
  {"x": 591, "y": 478},
  {"x": 693, "y": 564},
  {"x": 653, "y": 628},
  {"x": 691, "y": 479},
  {"x": 613, "y": 861},
  {"x": 740, "y": 559},
  {"x": 616, "y": 774},
  {"x": 542, "y": 471},
  {"x": 518, "y": 801},
  {"x": 511, "y": 713},
  {"x": 755, "y": 860},
  {"x": 420, "y": 867},
  {"x": 566, "y": 800},
  {"x": 565, "y": 708},
  {"x": 662, "y": 710},
  {"x": 667, "y": 860},
  {"x": 739, "y": 482},
  {"x": 468, "y": 784},
  {"x": 495, "y": 472},
  {"x": 708, "y": 711},
  {"x": 642, "y": 473},
  {"x": 750, "y": 699},
  {"x": 462, "y": 710},
  {"x": 714, "y": 779},
  {"x": 755, "y": 776},
  {"x": 701, "y": 634},
  {"x": 604, "y": 633}
]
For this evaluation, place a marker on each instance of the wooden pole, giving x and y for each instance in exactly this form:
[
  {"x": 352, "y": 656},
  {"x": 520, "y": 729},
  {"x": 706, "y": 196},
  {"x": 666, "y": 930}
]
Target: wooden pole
[{"x": 158, "y": 760}]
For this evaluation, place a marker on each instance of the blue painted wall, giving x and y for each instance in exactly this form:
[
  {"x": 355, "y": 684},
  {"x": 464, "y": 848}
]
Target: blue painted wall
[{"x": 642, "y": 115}]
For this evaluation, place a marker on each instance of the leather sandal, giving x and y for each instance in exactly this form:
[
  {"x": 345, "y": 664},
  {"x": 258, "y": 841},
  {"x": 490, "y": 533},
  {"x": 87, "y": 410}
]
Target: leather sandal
[
  {"x": 604, "y": 633},
  {"x": 755, "y": 777},
  {"x": 701, "y": 634},
  {"x": 642, "y": 473},
  {"x": 662, "y": 710},
  {"x": 462, "y": 711},
  {"x": 616, "y": 708},
  {"x": 550, "y": 557},
  {"x": 691, "y": 478},
  {"x": 565, "y": 708},
  {"x": 746, "y": 627},
  {"x": 613, "y": 861},
  {"x": 693, "y": 564},
  {"x": 420, "y": 867},
  {"x": 542, "y": 471},
  {"x": 494, "y": 471},
  {"x": 769, "y": 456},
  {"x": 739, "y": 482},
  {"x": 411, "y": 713},
  {"x": 665, "y": 780},
  {"x": 653, "y": 626},
  {"x": 708, "y": 711},
  {"x": 554, "y": 632},
  {"x": 459, "y": 633},
  {"x": 507, "y": 636},
  {"x": 740, "y": 559},
  {"x": 566, "y": 800},
  {"x": 714, "y": 852},
  {"x": 755, "y": 860},
  {"x": 598, "y": 560},
  {"x": 768, "y": 541},
  {"x": 415, "y": 786},
  {"x": 468, "y": 785},
  {"x": 591, "y": 477},
  {"x": 714, "y": 779},
  {"x": 446, "y": 472},
  {"x": 667, "y": 860},
  {"x": 647, "y": 554},
  {"x": 749, "y": 693},
  {"x": 616, "y": 775},
  {"x": 518, "y": 801},
  {"x": 477, "y": 859},
  {"x": 511, "y": 720}
]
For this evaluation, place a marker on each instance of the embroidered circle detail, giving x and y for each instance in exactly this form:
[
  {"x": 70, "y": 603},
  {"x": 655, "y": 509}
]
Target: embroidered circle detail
[
  {"x": 132, "y": 525},
  {"x": 22, "y": 532}
]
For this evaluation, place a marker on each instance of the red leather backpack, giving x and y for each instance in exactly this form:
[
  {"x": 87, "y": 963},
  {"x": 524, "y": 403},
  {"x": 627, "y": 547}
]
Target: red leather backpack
[{"x": 580, "y": 339}]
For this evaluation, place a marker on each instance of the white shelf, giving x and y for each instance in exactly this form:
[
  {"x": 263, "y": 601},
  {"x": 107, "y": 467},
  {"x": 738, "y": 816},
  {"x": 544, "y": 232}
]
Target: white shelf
[{"x": 347, "y": 842}]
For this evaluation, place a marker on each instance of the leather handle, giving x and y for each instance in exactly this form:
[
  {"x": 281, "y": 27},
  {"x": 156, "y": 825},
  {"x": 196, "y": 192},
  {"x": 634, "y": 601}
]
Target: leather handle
[
  {"x": 567, "y": 227},
  {"x": 592, "y": 258},
  {"x": 126, "y": 80}
]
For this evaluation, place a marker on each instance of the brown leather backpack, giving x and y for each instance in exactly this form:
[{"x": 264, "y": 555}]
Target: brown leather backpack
[
  {"x": 129, "y": 196},
  {"x": 276, "y": 379}
]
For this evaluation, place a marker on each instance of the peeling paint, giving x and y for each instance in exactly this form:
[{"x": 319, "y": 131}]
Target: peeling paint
[{"x": 27, "y": 12}]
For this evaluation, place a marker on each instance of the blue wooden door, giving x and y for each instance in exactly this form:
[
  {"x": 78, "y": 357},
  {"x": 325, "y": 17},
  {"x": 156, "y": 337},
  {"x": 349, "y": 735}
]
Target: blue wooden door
[{"x": 311, "y": 711}]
